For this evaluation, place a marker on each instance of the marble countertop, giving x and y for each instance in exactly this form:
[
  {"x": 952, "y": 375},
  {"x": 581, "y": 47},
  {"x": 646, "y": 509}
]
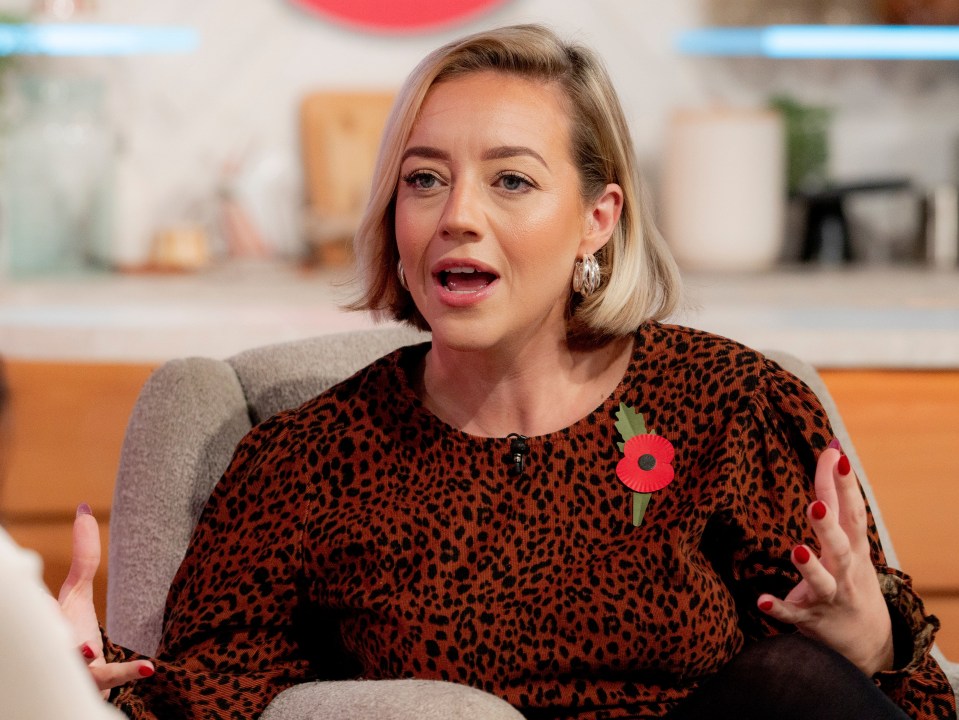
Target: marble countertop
[{"x": 844, "y": 318}]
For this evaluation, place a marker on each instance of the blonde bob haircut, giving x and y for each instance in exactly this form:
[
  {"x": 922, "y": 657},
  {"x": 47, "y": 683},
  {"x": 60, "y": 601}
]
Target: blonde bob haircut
[{"x": 640, "y": 280}]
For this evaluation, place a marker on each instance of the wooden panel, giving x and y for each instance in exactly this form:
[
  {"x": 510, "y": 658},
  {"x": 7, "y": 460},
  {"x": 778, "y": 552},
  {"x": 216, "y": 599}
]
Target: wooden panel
[
  {"x": 68, "y": 426},
  {"x": 906, "y": 429},
  {"x": 946, "y": 608},
  {"x": 67, "y": 422}
]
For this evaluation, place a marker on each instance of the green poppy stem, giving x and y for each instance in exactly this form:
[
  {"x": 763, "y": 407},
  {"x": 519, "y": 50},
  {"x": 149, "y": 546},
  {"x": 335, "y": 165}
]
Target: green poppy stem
[{"x": 640, "y": 502}]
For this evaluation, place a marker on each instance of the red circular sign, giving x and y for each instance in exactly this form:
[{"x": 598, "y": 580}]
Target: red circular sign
[{"x": 398, "y": 15}]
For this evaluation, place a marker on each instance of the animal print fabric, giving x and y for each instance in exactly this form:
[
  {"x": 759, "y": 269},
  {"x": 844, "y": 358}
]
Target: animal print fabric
[{"x": 358, "y": 536}]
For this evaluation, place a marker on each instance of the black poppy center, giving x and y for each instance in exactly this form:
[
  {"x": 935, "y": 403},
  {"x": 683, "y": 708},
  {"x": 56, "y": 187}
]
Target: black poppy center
[{"x": 647, "y": 462}]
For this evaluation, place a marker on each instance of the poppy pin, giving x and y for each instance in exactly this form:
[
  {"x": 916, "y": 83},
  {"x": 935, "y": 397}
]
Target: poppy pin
[{"x": 647, "y": 463}]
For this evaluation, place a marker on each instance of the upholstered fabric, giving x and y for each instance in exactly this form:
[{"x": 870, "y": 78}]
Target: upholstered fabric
[
  {"x": 387, "y": 700},
  {"x": 190, "y": 415}
]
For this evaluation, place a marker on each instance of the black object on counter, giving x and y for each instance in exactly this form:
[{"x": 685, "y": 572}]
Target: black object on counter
[{"x": 826, "y": 234}]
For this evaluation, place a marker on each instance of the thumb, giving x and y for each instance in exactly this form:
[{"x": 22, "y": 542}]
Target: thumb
[{"x": 86, "y": 551}]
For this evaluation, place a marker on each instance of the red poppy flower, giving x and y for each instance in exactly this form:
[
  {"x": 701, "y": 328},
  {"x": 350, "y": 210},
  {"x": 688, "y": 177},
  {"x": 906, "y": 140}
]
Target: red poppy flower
[{"x": 648, "y": 463}]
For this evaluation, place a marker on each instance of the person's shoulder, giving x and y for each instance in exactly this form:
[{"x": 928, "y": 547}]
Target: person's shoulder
[
  {"x": 721, "y": 365},
  {"x": 706, "y": 352},
  {"x": 348, "y": 400}
]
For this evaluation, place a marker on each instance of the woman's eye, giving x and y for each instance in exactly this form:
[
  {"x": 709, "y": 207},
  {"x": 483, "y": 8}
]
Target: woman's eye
[
  {"x": 514, "y": 182},
  {"x": 421, "y": 180}
]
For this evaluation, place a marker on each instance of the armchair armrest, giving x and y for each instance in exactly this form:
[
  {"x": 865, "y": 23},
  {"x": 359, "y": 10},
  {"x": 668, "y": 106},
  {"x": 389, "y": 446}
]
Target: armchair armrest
[{"x": 387, "y": 700}]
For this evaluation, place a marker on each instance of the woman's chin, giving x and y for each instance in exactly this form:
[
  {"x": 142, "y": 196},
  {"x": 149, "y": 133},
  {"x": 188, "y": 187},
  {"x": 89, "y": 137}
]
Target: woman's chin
[{"x": 464, "y": 336}]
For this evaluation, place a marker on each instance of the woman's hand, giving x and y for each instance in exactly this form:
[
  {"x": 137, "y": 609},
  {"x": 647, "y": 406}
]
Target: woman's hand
[
  {"x": 838, "y": 602},
  {"x": 76, "y": 604}
]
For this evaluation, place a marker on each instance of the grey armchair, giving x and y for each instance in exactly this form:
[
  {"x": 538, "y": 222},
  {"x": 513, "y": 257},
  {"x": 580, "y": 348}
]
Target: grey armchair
[{"x": 187, "y": 421}]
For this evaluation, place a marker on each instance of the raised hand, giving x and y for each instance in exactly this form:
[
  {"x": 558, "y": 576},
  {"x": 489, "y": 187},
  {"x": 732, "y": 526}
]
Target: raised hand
[
  {"x": 76, "y": 605},
  {"x": 838, "y": 601}
]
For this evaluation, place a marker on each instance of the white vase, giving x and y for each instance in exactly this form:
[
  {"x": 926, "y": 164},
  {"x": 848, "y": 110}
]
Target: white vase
[{"x": 724, "y": 189}]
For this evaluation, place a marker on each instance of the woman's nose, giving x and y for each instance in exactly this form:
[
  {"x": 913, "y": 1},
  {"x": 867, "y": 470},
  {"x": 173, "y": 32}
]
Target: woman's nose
[{"x": 462, "y": 215}]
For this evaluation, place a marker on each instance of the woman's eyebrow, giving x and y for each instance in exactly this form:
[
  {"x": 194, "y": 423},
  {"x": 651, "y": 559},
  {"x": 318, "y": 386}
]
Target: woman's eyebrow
[
  {"x": 496, "y": 153},
  {"x": 424, "y": 151},
  {"x": 508, "y": 151}
]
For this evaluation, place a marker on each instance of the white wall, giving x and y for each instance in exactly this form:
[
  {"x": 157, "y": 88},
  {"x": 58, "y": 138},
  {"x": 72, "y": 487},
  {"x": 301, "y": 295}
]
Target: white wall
[{"x": 182, "y": 118}]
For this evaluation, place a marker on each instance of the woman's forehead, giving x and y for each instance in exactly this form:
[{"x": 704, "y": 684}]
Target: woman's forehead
[{"x": 495, "y": 105}]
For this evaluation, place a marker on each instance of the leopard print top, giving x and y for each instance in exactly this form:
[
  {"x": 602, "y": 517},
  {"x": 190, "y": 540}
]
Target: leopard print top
[{"x": 358, "y": 536}]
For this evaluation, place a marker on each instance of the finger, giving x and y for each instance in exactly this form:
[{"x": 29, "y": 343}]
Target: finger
[
  {"x": 113, "y": 675},
  {"x": 852, "y": 513},
  {"x": 783, "y": 611},
  {"x": 825, "y": 480},
  {"x": 89, "y": 652},
  {"x": 819, "y": 585},
  {"x": 834, "y": 542},
  {"x": 85, "y": 559}
]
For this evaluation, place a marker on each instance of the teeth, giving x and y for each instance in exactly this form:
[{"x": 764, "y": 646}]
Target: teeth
[{"x": 465, "y": 270}]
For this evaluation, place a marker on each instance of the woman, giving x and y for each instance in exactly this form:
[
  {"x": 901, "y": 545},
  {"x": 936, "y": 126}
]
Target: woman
[{"x": 558, "y": 500}]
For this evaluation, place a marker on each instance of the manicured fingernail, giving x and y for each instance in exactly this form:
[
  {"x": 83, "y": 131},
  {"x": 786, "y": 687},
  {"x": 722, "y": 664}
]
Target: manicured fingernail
[
  {"x": 84, "y": 509},
  {"x": 145, "y": 671},
  {"x": 843, "y": 465},
  {"x": 801, "y": 554},
  {"x": 835, "y": 444},
  {"x": 766, "y": 605},
  {"x": 818, "y": 510},
  {"x": 87, "y": 651}
]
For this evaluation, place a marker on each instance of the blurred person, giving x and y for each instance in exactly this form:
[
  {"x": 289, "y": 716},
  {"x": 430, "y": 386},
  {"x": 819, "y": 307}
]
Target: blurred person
[{"x": 42, "y": 675}]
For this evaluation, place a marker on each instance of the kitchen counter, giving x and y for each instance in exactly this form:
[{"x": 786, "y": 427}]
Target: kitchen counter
[{"x": 846, "y": 318}]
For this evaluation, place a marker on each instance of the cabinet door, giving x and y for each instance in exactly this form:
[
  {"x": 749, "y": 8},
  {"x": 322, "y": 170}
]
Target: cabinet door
[{"x": 67, "y": 426}]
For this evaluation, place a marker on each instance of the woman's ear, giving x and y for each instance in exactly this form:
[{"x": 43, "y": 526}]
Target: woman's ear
[{"x": 601, "y": 219}]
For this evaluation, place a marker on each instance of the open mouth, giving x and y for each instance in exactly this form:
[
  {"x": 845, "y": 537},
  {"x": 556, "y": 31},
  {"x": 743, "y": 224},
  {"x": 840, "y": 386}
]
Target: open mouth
[{"x": 465, "y": 279}]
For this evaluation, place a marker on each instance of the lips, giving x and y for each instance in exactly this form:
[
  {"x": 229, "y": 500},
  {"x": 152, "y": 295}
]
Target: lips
[
  {"x": 465, "y": 279},
  {"x": 462, "y": 283}
]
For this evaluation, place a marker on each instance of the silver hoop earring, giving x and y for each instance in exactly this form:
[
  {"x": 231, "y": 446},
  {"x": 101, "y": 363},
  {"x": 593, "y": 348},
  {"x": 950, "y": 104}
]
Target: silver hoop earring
[
  {"x": 586, "y": 275},
  {"x": 401, "y": 275}
]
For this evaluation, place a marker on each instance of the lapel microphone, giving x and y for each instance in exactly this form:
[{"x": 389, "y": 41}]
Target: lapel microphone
[{"x": 518, "y": 449}]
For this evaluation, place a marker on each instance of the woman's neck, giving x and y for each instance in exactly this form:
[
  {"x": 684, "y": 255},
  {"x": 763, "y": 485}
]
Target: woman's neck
[{"x": 532, "y": 392}]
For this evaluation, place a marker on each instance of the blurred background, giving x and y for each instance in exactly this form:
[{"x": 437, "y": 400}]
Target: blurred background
[
  {"x": 182, "y": 178},
  {"x": 196, "y": 150}
]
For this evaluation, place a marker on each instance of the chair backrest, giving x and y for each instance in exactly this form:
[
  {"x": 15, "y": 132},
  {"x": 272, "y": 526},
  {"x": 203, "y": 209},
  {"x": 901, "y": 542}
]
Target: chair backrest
[
  {"x": 186, "y": 423},
  {"x": 185, "y": 426}
]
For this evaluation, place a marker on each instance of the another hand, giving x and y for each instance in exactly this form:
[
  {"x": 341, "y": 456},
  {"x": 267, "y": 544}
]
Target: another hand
[
  {"x": 838, "y": 601},
  {"x": 76, "y": 604}
]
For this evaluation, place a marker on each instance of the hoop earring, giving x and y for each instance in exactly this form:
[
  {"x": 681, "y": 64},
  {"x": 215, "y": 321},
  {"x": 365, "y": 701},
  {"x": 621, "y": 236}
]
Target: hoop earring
[
  {"x": 586, "y": 276},
  {"x": 401, "y": 275}
]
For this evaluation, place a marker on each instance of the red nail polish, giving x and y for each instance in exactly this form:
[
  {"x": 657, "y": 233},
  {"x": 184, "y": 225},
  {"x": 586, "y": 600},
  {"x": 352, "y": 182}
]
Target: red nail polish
[
  {"x": 801, "y": 554},
  {"x": 766, "y": 605},
  {"x": 87, "y": 651},
  {"x": 835, "y": 444},
  {"x": 843, "y": 465},
  {"x": 145, "y": 671},
  {"x": 818, "y": 510}
]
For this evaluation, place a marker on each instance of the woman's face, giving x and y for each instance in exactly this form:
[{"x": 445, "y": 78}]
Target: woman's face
[{"x": 489, "y": 217}]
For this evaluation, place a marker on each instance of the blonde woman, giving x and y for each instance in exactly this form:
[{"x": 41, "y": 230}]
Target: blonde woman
[{"x": 559, "y": 499}]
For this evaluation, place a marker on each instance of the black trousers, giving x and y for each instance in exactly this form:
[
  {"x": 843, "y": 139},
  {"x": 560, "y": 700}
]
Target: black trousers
[{"x": 789, "y": 677}]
